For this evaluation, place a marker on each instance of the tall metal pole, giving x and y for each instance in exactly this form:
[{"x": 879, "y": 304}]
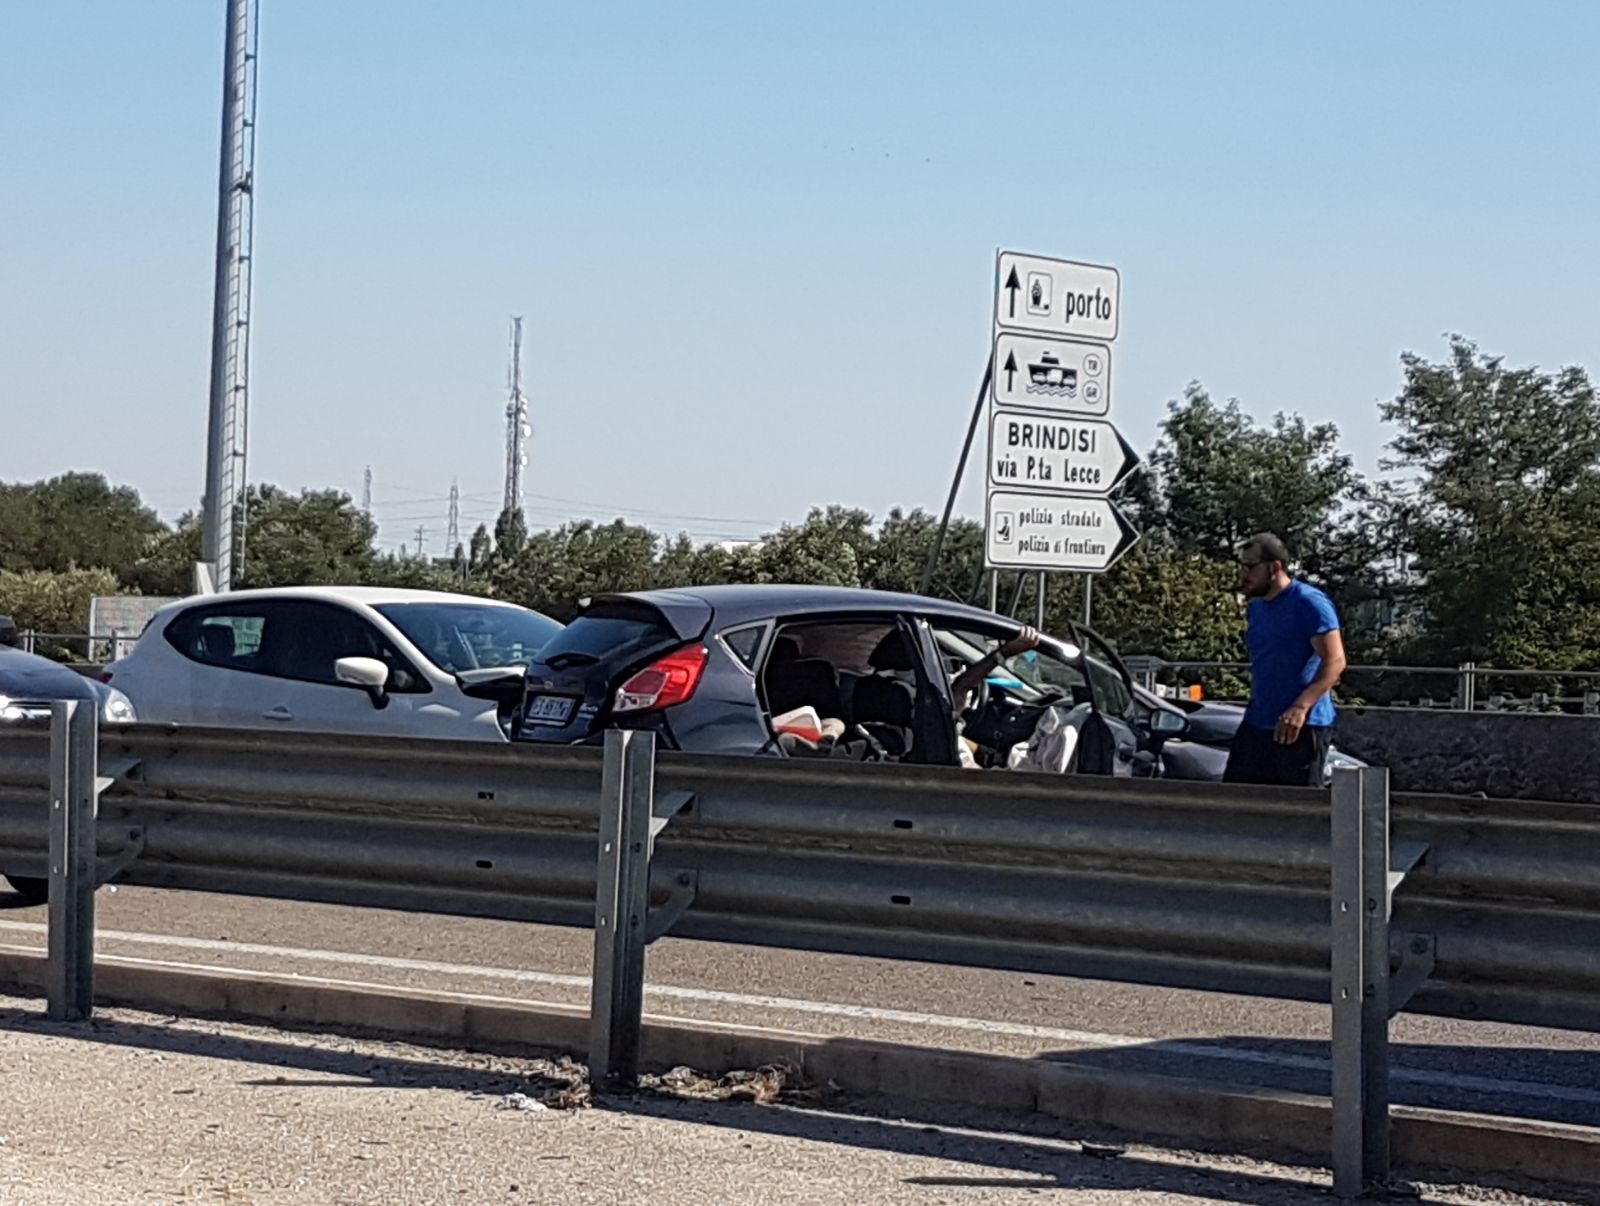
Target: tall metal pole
[
  {"x": 955, "y": 482},
  {"x": 225, "y": 442},
  {"x": 517, "y": 428}
]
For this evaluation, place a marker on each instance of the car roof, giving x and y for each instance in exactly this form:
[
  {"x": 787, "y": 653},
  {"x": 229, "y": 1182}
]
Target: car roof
[
  {"x": 368, "y": 596},
  {"x": 738, "y": 602}
]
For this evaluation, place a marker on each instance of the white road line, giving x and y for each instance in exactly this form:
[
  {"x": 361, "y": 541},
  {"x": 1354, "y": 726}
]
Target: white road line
[{"x": 868, "y": 1013}]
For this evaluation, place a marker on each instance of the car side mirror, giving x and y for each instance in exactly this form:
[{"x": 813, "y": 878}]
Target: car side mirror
[
  {"x": 8, "y": 632},
  {"x": 1167, "y": 725},
  {"x": 367, "y": 673}
]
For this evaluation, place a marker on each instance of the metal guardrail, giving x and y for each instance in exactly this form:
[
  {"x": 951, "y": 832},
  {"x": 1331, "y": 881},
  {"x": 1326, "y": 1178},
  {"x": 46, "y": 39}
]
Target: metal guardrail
[
  {"x": 1268, "y": 892},
  {"x": 1465, "y": 687}
]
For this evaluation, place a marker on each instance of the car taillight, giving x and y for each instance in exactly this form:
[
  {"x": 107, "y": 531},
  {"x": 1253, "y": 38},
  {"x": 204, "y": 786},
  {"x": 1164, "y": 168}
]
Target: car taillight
[{"x": 663, "y": 684}]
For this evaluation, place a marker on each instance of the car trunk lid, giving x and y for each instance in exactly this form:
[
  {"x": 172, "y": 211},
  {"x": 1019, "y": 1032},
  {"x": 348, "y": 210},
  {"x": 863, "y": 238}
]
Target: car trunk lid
[{"x": 572, "y": 686}]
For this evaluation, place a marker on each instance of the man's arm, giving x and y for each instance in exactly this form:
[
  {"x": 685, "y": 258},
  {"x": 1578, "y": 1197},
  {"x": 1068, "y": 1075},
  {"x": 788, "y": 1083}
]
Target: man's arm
[
  {"x": 970, "y": 679},
  {"x": 1330, "y": 648}
]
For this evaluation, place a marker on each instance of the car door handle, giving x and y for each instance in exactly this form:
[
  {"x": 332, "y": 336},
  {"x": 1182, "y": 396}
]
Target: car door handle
[{"x": 278, "y": 713}]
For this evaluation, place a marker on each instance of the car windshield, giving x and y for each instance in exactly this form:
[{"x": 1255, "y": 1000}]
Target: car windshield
[{"x": 458, "y": 637}]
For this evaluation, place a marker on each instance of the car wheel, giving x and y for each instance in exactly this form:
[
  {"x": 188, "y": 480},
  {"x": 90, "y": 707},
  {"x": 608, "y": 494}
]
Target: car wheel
[{"x": 32, "y": 888}]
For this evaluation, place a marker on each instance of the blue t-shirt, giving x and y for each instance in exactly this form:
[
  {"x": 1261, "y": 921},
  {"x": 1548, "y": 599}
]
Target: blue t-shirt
[{"x": 1282, "y": 661}]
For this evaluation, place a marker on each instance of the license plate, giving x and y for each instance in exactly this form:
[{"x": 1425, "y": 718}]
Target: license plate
[{"x": 550, "y": 709}]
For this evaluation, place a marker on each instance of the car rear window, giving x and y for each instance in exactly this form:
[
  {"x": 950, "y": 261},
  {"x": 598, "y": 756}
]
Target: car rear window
[{"x": 611, "y": 632}]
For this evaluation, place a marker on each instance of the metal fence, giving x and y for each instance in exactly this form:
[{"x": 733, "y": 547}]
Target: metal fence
[
  {"x": 93, "y": 647},
  {"x": 1464, "y": 687},
  {"x": 1463, "y": 907}
]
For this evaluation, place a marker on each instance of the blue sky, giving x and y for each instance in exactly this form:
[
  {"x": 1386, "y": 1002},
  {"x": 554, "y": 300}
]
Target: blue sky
[{"x": 753, "y": 244}]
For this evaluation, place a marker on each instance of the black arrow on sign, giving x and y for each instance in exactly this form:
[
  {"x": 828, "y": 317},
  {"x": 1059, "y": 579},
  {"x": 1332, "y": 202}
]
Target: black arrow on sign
[
  {"x": 1013, "y": 284},
  {"x": 1011, "y": 371},
  {"x": 1130, "y": 537},
  {"x": 1130, "y": 461}
]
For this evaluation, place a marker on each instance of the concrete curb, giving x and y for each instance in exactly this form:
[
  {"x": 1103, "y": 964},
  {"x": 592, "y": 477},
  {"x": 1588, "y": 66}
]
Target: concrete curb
[{"x": 1225, "y": 1117}]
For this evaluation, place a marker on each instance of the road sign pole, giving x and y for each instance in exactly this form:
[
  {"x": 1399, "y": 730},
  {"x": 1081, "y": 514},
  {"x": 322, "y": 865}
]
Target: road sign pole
[
  {"x": 955, "y": 482},
  {"x": 1039, "y": 620},
  {"x": 1088, "y": 600}
]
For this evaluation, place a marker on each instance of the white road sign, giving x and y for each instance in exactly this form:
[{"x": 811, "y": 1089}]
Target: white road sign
[
  {"x": 1053, "y": 532},
  {"x": 1057, "y": 297},
  {"x": 1076, "y": 456},
  {"x": 1037, "y": 373}
]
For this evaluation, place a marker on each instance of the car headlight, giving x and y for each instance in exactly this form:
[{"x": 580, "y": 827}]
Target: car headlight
[{"x": 118, "y": 708}]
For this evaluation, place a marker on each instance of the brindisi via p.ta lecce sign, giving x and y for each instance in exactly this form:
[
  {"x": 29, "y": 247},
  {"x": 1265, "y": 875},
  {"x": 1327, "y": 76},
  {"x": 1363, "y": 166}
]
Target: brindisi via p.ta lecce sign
[{"x": 1078, "y": 456}]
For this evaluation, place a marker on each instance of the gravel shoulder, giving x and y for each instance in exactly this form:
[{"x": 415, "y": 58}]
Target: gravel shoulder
[{"x": 141, "y": 1108}]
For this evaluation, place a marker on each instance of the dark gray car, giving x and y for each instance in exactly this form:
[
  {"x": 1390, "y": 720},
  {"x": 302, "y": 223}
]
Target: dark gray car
[
  {"x": 717, "y": 669},
  {"x": 28, "y": 685}
]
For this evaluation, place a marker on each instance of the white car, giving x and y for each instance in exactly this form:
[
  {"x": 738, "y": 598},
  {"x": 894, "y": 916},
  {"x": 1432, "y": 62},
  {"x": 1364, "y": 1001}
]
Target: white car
[{"x": 397, "y": 663}]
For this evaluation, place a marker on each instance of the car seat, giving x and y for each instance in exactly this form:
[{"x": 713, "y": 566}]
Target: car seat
[
  {"x": 794, "y": 682},
  {"x": 216, "y": 643}
]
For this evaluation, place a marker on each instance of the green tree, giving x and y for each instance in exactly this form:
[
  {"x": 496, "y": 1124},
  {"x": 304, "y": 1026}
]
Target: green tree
[
  {"x": 828, "y": 549},
  {"x": 899, "y": 556},
  {"x": 1502, "y": 517},
  {"x": 77, "y": 520},
  {"x": 1222, "y": 478},
  {"x": 479, "y": 551},
  {"x": 510, "y": 533},
  {"x": 167, "y": 568},
  {"x": 554, "y": 570},
  {"x": 1216, "y": 478},
  {"x": 683, "y": 563},
  {"x": 52, "y": 602},
  {"x": 316, "y": 536},
  {"x": 1175, "y": 605}
]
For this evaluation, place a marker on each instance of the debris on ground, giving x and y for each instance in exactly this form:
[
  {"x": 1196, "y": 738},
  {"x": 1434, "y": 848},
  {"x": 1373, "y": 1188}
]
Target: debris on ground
[
  {"x": 521, "y": 1101},
  {"x": 1103, "y": 1151},
  {"x": 762, "y": 1086},
  {"x": 556, "y": 1085}
]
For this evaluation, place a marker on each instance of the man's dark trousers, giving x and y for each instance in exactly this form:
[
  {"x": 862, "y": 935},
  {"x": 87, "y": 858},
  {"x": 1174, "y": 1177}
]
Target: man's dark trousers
[{"x": 1256, "y": 757}]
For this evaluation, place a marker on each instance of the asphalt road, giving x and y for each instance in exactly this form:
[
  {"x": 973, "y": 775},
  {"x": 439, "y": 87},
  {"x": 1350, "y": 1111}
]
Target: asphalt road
[{"x": 1480, "y": 1067}]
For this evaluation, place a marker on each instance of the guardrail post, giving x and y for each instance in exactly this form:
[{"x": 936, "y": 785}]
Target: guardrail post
[
  {"x": 622, "y": 905},
  {"x": 1360, "y": 867},
  {"x": 73, "y": 799},
  {"x": 1467, "y": 685}
]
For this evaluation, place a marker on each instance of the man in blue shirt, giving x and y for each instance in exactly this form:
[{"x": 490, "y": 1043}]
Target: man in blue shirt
[{"x": 1296, "y": 658}]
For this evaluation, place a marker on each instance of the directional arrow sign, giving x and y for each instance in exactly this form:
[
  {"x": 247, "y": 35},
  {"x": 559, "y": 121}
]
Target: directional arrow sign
[
  {"x": 1072, "y": 456},
  {"x": 1051, "y": 532},
  {"x": 1011, "y": 286},
  {"x": 1037, "y": 373},
  {"x": 1057, "y": 297}
]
